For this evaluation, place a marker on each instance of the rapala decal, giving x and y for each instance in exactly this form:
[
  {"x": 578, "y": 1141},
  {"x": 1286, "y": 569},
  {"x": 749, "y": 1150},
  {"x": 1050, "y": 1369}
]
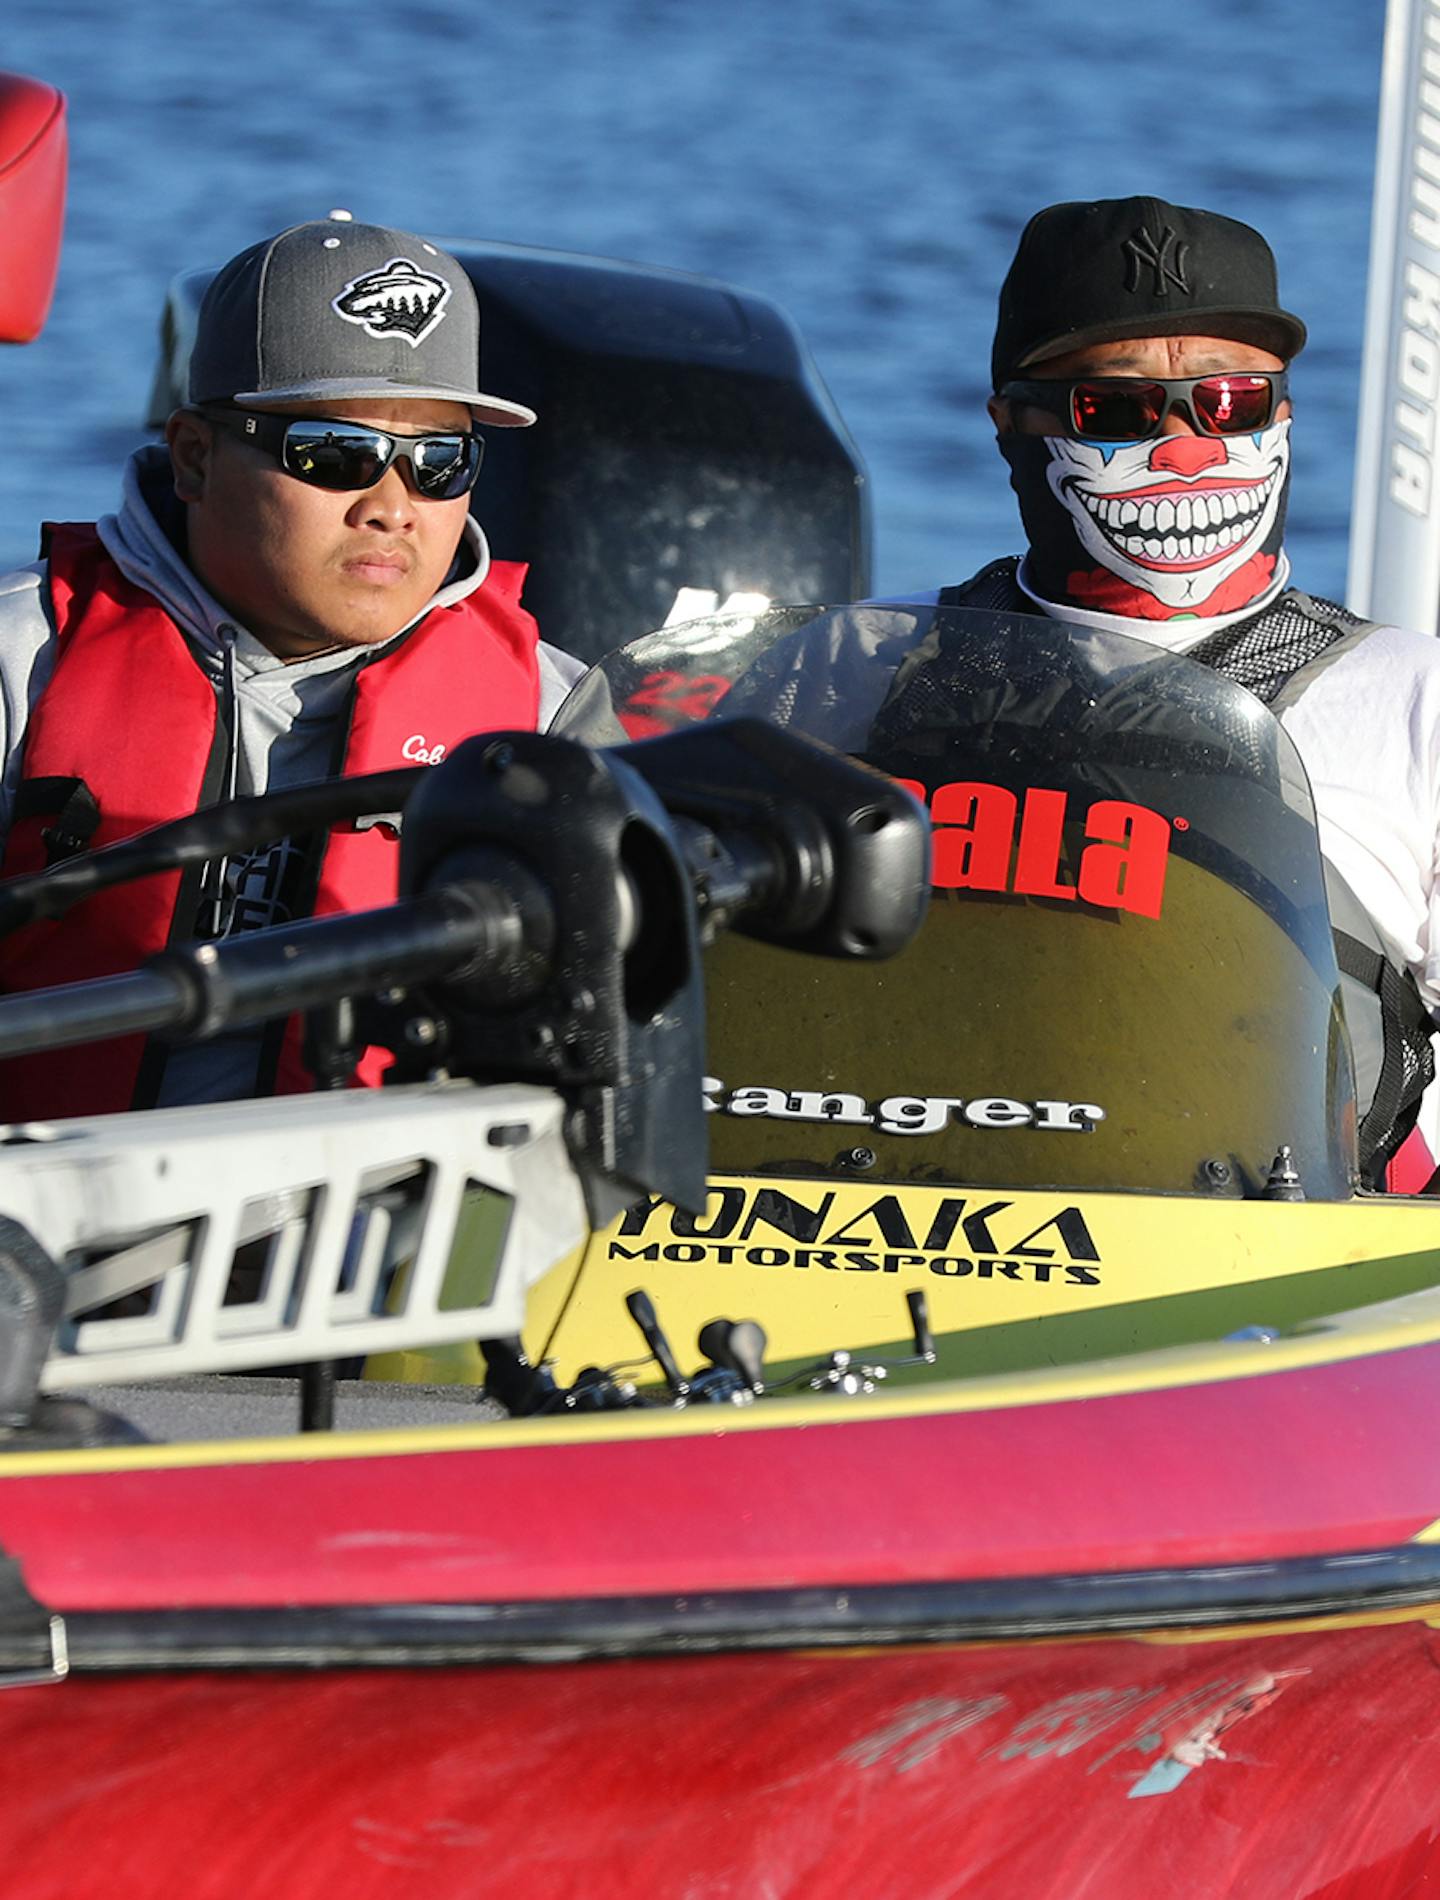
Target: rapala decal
[
  {"x": 986, "y": 839},
  {"x": 833, "y": 1230},
  {"x": 898, "y": 1114},
  {"x": 401, "y": 300}
]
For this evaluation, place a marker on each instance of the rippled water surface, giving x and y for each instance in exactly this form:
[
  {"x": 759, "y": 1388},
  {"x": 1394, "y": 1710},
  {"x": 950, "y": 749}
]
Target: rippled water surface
[{"x": 869, "y": 166}]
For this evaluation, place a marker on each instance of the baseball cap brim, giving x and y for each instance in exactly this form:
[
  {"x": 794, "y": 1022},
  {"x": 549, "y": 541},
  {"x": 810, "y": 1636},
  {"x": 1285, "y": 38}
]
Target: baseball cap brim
[
  {"x": 497, "y": 411},
  {"x": 1274, "y": 330}
]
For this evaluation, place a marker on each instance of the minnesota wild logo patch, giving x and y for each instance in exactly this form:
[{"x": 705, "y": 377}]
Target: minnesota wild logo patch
[{"x": 401, "y": 300}]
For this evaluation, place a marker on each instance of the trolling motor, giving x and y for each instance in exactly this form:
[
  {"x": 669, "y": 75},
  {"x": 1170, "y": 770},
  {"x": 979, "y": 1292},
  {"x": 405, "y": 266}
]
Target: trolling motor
[
  {"x": 631, "y": 859},
  {"x": 553, "y": 904}
]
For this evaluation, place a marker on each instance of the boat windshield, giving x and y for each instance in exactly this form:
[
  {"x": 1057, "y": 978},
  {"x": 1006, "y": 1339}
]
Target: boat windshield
[{"x": 1126, "y": 978}]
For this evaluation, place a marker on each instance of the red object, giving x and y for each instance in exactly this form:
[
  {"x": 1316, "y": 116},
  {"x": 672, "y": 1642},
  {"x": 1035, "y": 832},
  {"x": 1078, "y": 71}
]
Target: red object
[
  {"x": 1122, "y": 865},
  {"x": 1412, "y": 1166},
  {"x": 1288, "y": 1766},
  {"x": 1107, "y": 592},
  {"x": 1121, "y": 1482},
  {"x": 32, "y": 202},
  {"x": 1281, "y": 1763},
  {"x": 1188, "y": 454},
  {"x": 1278, "y": 1763},
  {"x": 670, "y": 698},
  {"x": 129, "y": 712}
]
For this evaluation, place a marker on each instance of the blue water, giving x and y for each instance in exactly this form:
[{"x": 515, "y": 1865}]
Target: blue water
[{"x": 867, "y": 165}]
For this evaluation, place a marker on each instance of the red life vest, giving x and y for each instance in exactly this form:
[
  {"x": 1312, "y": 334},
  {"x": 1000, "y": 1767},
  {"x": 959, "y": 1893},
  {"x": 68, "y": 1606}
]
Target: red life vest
[{"x": 130, "y": 713}]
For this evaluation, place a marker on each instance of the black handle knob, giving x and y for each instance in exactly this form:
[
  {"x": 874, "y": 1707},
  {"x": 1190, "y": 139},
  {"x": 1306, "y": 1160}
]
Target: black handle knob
[
  {"x": 747, "y": 1348},
  {"x": 739, "y": 1346},
  {"x": 920, "y": 1325},
  {"x": 641, "y": 1309}
]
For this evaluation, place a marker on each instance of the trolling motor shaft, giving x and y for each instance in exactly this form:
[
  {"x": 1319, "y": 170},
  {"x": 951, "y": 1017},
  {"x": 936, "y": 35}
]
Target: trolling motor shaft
[
  {"x": 197, "y": 989},
  {"x": 549, "y": 926}
]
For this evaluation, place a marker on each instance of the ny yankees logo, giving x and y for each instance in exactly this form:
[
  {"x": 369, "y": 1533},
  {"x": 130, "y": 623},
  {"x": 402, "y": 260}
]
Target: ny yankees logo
[{"x": 1142, "y": 251}]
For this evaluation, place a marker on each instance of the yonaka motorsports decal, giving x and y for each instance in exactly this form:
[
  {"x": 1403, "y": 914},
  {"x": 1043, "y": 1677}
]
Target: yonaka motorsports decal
[
  {"x": 825, "y": 1263},
  {"x": 897, "y": 1114},
  {"x": 1043, "y": 1240},
  {"x": 990, "y": 839}
]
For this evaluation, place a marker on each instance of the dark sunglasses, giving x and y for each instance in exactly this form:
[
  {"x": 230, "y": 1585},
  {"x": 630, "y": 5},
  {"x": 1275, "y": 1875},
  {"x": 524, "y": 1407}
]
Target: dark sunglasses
[
  {"x": 329, "y": 453},
  {"x": 1132, "y": 408}
]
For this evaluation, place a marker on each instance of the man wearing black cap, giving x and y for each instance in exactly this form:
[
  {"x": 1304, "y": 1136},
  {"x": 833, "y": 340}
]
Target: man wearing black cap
[
  {"x": 1141, "y": 402},
  {"x": 295, "y": 590}
]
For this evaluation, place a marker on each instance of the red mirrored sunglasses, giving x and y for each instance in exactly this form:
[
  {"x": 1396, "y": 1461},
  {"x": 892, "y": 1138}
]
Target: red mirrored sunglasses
[{"x": 1133, "y": 408}]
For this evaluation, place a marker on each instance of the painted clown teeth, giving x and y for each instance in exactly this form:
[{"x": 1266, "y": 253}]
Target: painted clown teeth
[{"x": 1183, "y": 528}]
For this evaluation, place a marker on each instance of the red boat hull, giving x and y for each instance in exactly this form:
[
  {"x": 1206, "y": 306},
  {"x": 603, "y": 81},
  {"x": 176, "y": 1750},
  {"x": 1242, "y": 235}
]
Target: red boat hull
[
  {"x": 1333, "y": 1457},
  {"x": 1274, "y": 1762},
  {"x": 1014, "y": 1772}
]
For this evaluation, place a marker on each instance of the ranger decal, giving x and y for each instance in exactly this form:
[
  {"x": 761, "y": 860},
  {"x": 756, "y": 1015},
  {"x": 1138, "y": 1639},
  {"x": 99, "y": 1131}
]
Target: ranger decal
[{"x": 897, "y": 1114}]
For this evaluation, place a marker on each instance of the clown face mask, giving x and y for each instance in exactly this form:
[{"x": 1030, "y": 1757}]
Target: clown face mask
[{"x": 1177, "y": 527}]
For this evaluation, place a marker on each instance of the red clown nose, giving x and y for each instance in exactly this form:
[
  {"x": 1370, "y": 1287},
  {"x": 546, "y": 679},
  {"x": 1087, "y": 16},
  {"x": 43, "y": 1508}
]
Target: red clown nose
[{"x": 1187, "y": 454}]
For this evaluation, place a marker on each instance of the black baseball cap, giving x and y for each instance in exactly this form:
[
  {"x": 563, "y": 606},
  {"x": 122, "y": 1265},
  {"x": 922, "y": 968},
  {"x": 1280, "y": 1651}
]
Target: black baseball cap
[
  {"x": 1118, "y": 267},
  {"x": 335, "y": 309}
]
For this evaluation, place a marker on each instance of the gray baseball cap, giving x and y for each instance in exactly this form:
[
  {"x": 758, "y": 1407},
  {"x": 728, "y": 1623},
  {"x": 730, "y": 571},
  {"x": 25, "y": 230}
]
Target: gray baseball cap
[{"x": 335, "y": 309}]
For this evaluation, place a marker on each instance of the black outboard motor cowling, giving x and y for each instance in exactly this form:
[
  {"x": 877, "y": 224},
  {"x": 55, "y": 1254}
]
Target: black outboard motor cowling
[{"x": 685, "y": 440}]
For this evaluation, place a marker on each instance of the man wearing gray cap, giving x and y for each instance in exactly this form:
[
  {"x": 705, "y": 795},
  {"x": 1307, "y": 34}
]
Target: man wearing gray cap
[{"x": 295, "y": 590}]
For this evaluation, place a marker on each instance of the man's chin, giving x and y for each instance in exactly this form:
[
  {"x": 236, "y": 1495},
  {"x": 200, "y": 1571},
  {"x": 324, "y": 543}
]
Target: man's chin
[{"x": 308, "y": 642}]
